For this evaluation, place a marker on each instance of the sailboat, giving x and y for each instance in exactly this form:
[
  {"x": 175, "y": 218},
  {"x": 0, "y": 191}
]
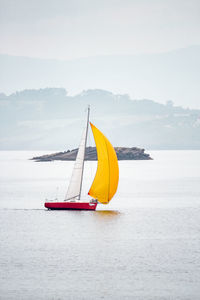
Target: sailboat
[{"x": 104, "y": 185}]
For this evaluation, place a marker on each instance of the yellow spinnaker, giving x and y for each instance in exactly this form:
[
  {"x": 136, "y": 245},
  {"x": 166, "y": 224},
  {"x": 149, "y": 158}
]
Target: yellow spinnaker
[{"x": 106, "y": 179}]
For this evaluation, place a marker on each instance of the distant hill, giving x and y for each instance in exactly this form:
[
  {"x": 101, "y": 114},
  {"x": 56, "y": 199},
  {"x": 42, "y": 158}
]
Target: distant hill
[
  {"x": 49, "y": 119},
  {"x": 167, "y": 76}
]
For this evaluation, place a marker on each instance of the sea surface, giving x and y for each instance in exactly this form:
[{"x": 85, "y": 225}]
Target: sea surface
[{"x": 144, "y": 245}]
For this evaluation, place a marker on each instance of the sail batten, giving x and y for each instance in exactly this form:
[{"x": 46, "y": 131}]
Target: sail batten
[{"x": 106, "y": 179}]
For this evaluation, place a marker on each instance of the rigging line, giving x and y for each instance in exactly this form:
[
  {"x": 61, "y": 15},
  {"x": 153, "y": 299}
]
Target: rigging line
[
  {"x": 90, "y": 144},
  {"x": 85, "y": 143}
]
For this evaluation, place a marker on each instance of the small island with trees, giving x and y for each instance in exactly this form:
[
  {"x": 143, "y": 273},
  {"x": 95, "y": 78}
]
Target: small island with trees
[{"x": 123, "y": 153}]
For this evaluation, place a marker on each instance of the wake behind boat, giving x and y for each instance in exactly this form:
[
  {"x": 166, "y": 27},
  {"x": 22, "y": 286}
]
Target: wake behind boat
[{"x": 105, "y": 183}]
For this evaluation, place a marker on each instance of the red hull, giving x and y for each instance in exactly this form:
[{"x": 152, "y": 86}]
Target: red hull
[{"x": 71, "y": 205}]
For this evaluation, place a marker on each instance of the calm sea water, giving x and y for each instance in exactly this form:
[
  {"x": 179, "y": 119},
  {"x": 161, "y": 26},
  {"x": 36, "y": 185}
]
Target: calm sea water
[{"x": 144, "y": 245}]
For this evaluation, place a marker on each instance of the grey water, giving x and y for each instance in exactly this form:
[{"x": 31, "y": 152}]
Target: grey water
[{"x": 145, "y": 244}]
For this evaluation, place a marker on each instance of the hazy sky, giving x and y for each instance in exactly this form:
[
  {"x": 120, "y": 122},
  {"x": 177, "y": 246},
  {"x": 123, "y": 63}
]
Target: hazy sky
[{"x": 67, "y": 29}]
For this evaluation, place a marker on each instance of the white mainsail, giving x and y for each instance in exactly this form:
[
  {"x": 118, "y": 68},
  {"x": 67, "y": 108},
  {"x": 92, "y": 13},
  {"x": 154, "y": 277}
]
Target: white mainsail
[{"x": 75, "y": 185}]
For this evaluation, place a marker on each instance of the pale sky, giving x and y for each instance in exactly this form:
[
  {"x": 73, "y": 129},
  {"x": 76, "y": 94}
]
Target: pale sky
[{"x": 68, "y": 29}]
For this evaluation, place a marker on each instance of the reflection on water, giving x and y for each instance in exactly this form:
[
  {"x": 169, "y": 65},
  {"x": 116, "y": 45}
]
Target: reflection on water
[{"x": 107, "y": 214}]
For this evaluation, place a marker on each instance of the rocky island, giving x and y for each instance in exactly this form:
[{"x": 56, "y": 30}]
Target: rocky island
[{"x": 123, "y": 153}]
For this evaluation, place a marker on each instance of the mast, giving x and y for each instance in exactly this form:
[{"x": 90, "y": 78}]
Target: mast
[{"x": 88, "y": 115}]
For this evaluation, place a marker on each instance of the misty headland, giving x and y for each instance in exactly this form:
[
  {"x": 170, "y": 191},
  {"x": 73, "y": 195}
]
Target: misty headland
[{"x": 50, "y": 119}]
